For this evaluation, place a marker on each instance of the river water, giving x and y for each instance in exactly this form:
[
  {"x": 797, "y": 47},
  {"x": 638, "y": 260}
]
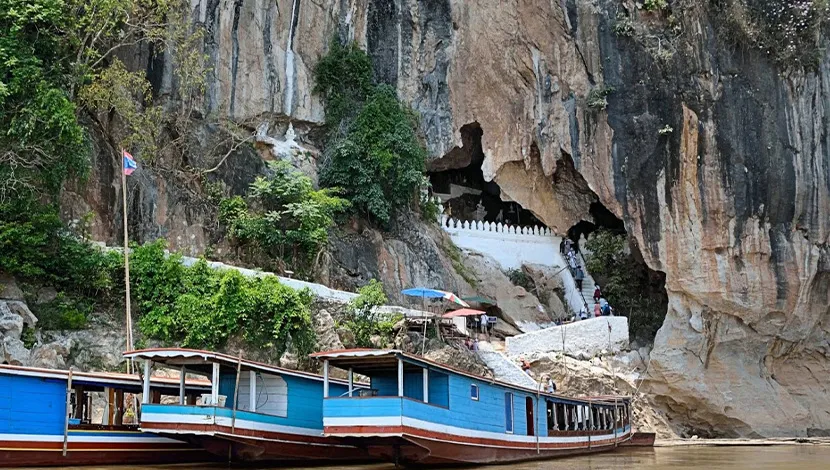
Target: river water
[{"x": 779, "y": 457}]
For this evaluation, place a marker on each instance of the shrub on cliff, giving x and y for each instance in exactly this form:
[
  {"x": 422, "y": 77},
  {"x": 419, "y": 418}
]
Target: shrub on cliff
[
  {"x": 626, "y": 284},
  {"x": 283, "y": 216},
  {"x": 372, "y": 149},
  {"x": 363, "y": 320},
  {"x": 202, "y": 307},
  {"x": 37, "y": 248}
]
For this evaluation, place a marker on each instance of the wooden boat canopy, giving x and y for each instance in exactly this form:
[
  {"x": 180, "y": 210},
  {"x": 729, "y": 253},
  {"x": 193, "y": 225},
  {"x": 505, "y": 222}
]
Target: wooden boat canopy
[
  {"x": 373, "y": 361},
  {"x": 121, "y": 381},
  {"x": 201, "y": 361}
]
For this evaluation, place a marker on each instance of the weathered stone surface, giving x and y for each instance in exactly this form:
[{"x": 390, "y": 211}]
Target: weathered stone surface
[
  {"x": 14, "y": 351},
  {"x": 325, "y": 328},
  {"x": 11, "y": 324},
  {"x": 46, "y": 295},
  {"x": 9, "y": 289},
  {"x": 50, "y": 356},
  {"x": 588, "y": 338},
  {"x": 22, "y": 310}
]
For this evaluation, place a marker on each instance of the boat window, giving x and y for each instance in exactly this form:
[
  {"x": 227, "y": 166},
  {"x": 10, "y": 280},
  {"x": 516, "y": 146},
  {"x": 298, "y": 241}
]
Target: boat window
[
  {"x": 474, "y": 392},
  {"x": 508, "y": 412},
  {"x": 271, "y": 394}
]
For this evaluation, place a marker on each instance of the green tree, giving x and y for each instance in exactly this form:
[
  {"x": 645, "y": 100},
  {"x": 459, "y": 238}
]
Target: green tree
[
  {"x": 283, "y": 215},
  {"x": 202, "y": 307},
  {"x": 363, "y": 319},
  {"x": 372, "y": 151},
  {"x": 627, "y": 284}
]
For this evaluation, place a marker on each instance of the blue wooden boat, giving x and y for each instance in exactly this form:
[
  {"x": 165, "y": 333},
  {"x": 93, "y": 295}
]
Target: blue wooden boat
[
  {"x": 420, "y": 412},
  {"x": 253, "y": 412},
  {"x": 46, "y": 419}
]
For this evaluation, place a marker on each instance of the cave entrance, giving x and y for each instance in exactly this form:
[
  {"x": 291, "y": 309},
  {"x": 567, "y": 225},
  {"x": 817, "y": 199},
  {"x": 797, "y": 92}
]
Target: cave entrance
[
  {"x": 457, "y": 179},
  {"x": 603, "y": 219}
]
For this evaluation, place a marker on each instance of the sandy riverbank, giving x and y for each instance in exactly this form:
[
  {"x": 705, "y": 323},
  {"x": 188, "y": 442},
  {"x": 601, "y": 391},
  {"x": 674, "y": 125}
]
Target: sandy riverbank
[{"x": 743, "y": 442}]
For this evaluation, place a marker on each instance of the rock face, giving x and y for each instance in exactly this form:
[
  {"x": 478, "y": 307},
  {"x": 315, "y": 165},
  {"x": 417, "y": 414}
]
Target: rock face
[
  {"x": 586, "y": 338},
  {"x": 716, "y": 159}
]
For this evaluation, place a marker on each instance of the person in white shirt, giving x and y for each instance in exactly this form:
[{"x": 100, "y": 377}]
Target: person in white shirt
[{"x": 484, "y": 321}]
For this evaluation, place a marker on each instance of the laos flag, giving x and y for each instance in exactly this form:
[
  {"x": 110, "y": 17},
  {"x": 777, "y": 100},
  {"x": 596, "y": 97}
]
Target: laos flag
[{"x": 129, "y": 163}]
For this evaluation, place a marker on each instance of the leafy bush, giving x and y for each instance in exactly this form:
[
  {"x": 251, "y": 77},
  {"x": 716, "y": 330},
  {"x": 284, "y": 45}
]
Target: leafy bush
[
  {"x": 655, "y": 5},
  {"x": 286, "y": 218},
  {"x": 597, "y": 97},
  {"x": 64, "y": 313},
  {"x": 362, "y": 319},
  {"x": 372, "y": 151},
  {"x": 628, "y": 285},
  {"x": 623, "y": 26},
  {"x": 520, "y": 278},
  {"x": 36, "y": 246},
  {"x": 787, "y": 31},
  {"x": 202, "y": 307}
]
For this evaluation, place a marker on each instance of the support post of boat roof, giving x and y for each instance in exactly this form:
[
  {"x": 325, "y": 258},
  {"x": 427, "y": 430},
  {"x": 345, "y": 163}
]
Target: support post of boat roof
[
  {"x": 182, "y": 374},
  {"x": 590, "y": 420},
  {"x": 145, "y": 395},
  {"x": 351, "y": 382},
  {"x": 426, "y": 384},
  {"x": 615, "y": 421},
  {"x": 326, "y": 378},
  {"x": 565, "y": 408},
  {"x": 400, "y": 377},
  {"x": 252, "y": 398},
  {"x": 555, "y": 422},
  {"x": 214, "y": 385}
]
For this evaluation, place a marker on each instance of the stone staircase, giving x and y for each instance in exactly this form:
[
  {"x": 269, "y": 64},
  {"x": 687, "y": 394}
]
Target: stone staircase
[
  {"x": 587, "y": 285},
  {"x": 503, "y": 368}
]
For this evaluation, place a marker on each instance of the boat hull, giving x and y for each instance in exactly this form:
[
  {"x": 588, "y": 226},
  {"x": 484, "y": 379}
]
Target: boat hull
[
  {"x": 102, "y": 448},
  {"x": 414, "y": 446},
  {"x": 258, "y": 445}
]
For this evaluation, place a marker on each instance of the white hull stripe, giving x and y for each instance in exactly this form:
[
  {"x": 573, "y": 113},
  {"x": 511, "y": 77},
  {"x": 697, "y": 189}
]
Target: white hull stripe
[
  {"x": 147, "y": 420},
  {"x": 453, "y": 430},
  {"x": 102, "y": 438}
]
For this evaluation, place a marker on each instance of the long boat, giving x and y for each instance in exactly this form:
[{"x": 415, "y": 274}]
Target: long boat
[
  {"x": 417, "y": 412},
  {"x": 254, "y": 412},
  {"x": 50, "y": 418}
]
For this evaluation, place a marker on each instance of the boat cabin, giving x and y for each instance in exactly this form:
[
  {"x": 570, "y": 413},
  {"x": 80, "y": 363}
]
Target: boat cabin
[
  {"x": 47, "y": 410},
  {"x": 415, "y": 403},
  {"x": 252, "y": 411}
]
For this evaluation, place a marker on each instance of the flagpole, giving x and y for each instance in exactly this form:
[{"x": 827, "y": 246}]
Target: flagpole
[{"x": 126, "y": 263}]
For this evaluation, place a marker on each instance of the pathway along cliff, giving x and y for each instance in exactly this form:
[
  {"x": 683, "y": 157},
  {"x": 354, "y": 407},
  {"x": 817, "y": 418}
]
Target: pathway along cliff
[{"x": 695, "y": 127}]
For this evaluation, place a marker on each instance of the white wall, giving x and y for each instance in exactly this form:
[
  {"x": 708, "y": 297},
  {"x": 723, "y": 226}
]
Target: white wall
[
  {"x": 590, "y": 336},
  {"x": 510, "y": 246}
]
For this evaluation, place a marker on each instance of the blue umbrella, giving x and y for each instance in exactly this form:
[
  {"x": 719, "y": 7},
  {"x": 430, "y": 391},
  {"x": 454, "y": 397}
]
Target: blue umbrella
[{"x": 423, "y": 292}]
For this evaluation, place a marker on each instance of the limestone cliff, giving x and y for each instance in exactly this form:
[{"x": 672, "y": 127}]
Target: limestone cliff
[{"x": 714, "y": 156}]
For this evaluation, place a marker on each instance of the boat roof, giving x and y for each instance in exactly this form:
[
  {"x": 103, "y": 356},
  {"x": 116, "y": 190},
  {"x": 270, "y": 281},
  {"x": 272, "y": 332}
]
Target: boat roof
[
  {"x": 106, "y": 379},
  {"x": 369, "y": 361},
  {"x": 199, "y": 360}
]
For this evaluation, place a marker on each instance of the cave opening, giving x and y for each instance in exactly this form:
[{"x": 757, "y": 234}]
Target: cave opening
[
  {"x": 601, "y": 219},
  {"x": 458, "y": 181}
]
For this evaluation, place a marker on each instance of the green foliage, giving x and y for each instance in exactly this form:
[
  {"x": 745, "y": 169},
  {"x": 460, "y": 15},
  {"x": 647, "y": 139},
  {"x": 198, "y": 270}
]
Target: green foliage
[
  {"x": 34, "y": 244},
  {"x": 597, "y": 97},
  {"x": 454, "y": 254},
  {"x": 41, "y": 141},
  {"x": 343, "y": 78},
  {"x": 284, "y": 215},
  {"x": 623, "y": 26},
  {"x": 27, "y": 336},
  {"x": 202, "y": 307},
  {"x": 627, "y": 284},
  {"x": 64, "y": 313},
  {"x": 520, "y": 278},
  {"x": 655, "y": 5},
  {"x": 787, "y": 31},
  {"x": 362, "y": 319},
  {"x": 372, "y": 151}
]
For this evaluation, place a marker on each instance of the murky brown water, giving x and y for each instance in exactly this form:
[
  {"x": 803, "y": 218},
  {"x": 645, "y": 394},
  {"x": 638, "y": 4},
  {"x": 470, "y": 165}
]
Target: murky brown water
[{"x": 779, "y": 457}]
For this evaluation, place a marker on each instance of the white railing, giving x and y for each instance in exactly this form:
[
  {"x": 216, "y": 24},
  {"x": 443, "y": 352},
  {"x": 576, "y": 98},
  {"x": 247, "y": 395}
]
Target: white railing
[{"x": 450, "y": 224}]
